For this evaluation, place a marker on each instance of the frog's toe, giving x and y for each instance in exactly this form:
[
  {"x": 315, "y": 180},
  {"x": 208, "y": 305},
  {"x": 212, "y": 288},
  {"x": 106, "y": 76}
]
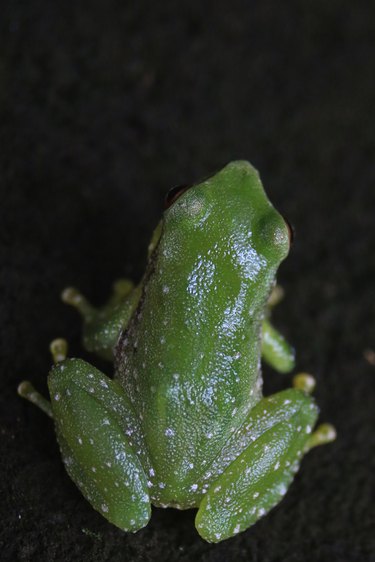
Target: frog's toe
[{"x": 73, "y": 297}]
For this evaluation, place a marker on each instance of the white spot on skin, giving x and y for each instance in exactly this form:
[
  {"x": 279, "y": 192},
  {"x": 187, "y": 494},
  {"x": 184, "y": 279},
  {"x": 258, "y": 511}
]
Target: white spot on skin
[
  {"x": 217, "y": 489},
  {"x": 236, "y": 530},
  {"x": 308, "y": 429},
  {"x": 93, "y": 468},
  {"x": 152, "y": 472},
  {"x": 287, "y": 401},
  {"x": 255, "y": 495},
  {"x": 165, "y": 289},
  {"x": 79, "y": 440},
  {"x": 194, "y": 487},
  {"x": 277, "y": 465},
  {"x": 106, "y": 421},
  {"x": 57, "y": 397},
  {"x": 169, "y": 432},
  {"x": 217, "y": 535},
  {"x": 161, "y": 485},
  {"x": 104, "y": 508},
  {"x": 109, "y": 464},
  {"x": 261, "y": 512}
]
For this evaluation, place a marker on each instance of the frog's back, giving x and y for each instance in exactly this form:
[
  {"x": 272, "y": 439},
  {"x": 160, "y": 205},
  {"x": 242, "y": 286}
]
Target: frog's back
[{"x": 189, "y": 359}]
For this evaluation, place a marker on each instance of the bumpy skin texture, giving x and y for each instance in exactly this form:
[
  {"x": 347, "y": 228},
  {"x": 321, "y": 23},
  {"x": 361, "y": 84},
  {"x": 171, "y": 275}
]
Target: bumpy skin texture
[
  {"x": 184, "y": 423},
  {"x": 189, "y": 359}
]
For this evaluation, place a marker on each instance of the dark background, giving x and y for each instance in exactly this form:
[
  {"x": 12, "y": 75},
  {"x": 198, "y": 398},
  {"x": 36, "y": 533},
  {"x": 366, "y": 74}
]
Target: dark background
[{"x": 106, "y": 105}]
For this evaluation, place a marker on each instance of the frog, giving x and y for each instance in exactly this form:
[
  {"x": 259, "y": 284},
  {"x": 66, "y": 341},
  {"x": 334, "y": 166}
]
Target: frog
[{"x": 183, "y": 422}]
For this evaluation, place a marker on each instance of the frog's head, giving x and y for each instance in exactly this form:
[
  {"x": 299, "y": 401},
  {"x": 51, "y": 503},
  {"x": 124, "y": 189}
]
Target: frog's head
[{"x": 228, "y": 214}]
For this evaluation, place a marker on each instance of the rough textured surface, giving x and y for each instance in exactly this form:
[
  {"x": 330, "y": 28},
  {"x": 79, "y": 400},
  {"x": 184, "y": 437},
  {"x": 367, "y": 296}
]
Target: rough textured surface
[{"x": 106, "y": 106}]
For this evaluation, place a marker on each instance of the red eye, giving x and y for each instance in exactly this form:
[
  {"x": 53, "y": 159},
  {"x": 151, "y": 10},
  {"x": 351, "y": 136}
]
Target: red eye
[
  {"x": 291, "y": 231},
  {"x": 173, "y": 194}
]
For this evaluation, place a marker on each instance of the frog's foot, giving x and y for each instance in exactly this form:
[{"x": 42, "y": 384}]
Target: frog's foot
[
  {"x": 272, "y": 442},
  {"x": 102, "y": 326},
  {"x": 99, "y": 438},
  {"x": 59, "y": 350}
]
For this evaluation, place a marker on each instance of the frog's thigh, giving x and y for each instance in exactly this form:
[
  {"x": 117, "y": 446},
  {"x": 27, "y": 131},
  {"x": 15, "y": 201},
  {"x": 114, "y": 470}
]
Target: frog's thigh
[
  {"x": 259, "y": 477},
  {"x": 93, "y": 421}
]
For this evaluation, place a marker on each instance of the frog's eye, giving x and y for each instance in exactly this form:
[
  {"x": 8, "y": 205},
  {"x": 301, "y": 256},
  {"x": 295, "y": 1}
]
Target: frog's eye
[
  {"x": 291, "y": 231},
  {"x": 173, "y": 194}
]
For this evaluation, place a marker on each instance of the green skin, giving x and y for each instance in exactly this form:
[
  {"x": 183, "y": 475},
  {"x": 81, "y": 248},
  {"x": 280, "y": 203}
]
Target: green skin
[{"x": 184, "y": 423}]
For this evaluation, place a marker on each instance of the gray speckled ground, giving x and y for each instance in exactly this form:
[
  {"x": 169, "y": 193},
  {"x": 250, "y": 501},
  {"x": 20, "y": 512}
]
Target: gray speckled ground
[{"x": 103, "y": 108}]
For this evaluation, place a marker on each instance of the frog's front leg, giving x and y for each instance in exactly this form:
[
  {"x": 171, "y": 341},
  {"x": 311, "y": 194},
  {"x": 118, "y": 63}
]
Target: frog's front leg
[
  {"x": 276, "y": 351},
  {"x": 102, "y": 326},
  {"x": 100, "y": 439},
  {"x": 271, "y": 442}
]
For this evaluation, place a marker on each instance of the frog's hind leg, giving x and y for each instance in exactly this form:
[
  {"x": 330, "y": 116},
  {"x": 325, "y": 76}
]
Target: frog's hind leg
[
  {"x": 100, "y": 439},
  {"x": 102, "y": 326},
  {"x": 276, "y": 351},
  {"x": 260, "y": 461}
]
